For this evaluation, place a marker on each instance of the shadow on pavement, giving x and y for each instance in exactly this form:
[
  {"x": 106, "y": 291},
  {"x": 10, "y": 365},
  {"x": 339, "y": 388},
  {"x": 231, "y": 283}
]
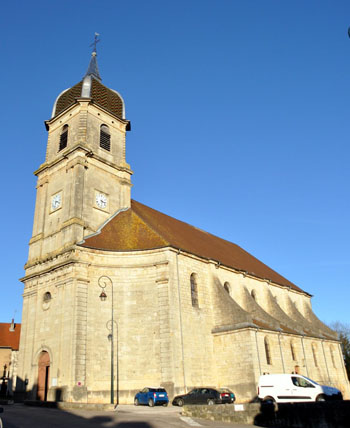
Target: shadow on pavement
[{"x": 21, "y": 416}]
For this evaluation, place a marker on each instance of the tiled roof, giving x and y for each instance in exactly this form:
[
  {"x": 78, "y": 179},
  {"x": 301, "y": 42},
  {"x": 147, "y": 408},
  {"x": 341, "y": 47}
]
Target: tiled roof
[
  {"x": 9, "y": 339},
  {"x": 141, "y": 228},
  {"x": 107, "y": 98},
  {"x": 100, "y": 94},
  {"x": 68, "y": 98}
]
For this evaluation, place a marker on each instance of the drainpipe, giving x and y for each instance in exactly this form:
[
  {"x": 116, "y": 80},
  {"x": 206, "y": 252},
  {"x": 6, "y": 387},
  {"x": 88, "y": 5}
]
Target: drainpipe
[
  {"x": 279, "y": 341},
  {"x": 257, "y": 350},
  {"x": 324, "y": 354},
  {"x": 302, "y": 344},
  {"x": 180, "y": 316}
]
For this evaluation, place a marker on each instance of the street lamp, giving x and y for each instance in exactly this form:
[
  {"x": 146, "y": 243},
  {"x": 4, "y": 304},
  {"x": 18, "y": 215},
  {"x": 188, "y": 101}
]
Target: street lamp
[{"x": 103, "y": 281}]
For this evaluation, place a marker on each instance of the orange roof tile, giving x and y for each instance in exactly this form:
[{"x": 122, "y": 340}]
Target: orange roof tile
[
  {"x": 9, "y": 339},
  {"x": 141, "y": 228}
]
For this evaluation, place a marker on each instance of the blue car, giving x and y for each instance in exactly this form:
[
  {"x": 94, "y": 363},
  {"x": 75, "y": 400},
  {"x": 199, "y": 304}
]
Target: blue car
[{"x": 152, "y": 396}]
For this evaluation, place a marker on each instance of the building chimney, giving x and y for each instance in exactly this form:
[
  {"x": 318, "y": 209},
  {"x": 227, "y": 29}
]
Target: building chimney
[{"x": 12, "y": 326}]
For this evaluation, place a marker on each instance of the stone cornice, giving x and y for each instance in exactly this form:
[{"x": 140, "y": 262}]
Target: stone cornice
[
  {"x": 90, "y": 101},
  {"x": 49, "y": 269},
  {"x": 88, "y": 153}
]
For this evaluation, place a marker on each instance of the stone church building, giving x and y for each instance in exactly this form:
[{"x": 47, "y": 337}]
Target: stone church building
[{"x": 118, "y": 296}]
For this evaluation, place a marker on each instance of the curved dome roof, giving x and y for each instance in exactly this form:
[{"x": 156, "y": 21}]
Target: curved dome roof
[
  {"x": 100, "y": 94},
  {"x": 91, "y": 87}
]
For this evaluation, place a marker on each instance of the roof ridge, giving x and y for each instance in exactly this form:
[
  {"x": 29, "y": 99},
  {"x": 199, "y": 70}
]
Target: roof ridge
[
  {"x": 211, "y": 234},
  {"x": 195, "y": 227}
]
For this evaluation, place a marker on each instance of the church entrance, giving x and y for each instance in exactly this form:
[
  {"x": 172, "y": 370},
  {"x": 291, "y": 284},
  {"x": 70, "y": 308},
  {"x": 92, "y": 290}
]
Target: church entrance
[{"x": 43, "y": 375}]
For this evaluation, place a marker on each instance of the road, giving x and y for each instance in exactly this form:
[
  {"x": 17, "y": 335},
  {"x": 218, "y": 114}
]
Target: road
[{"x": 126, "y": 416}]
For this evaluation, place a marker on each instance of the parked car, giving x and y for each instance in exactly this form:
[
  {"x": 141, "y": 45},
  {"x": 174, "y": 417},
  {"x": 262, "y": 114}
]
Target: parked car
[
  {"x": 227, "y": 396},
  {"x": 283, "y": 388},
  {"x": 152, "y": 396},
  {"x": 198, "y": 396}
]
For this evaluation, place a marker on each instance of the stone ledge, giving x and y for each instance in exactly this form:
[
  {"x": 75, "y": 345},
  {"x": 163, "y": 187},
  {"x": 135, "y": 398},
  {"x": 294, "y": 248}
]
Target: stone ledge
[{"x": 328, "y": 414}]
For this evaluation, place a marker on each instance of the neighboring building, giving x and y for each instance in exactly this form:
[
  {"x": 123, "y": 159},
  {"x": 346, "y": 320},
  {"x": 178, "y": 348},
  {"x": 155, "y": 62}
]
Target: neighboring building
[
  {"x": 188, "y": 308},
  {"x": 9, "y": 344}
]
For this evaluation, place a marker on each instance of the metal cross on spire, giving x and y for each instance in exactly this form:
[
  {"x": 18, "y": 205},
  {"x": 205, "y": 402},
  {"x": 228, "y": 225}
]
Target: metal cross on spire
[{"x": 95, "y": 42}]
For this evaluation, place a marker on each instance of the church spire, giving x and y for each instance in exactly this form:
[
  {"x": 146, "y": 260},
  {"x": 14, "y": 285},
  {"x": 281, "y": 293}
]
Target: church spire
[
  {"x": 93, "y": 67},
  {"x": 92, "y": 71}
]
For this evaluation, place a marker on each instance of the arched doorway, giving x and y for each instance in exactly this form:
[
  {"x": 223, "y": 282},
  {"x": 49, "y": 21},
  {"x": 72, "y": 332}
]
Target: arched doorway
[{"x": 43, "y": 375}]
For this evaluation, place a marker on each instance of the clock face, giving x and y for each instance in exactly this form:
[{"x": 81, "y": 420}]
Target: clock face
[
  {"x": 56, "y": 201},
  {"x": 101, "y": 200}
]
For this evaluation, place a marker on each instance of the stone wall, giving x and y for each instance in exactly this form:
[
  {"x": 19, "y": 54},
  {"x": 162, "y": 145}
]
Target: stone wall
[{"x": 333, "y": 414}]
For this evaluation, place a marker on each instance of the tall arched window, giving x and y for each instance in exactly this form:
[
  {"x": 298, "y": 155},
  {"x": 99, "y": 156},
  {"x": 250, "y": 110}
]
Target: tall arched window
[
  {"x": 105, "y": 138},
  {"x": 63, "y": 138},
  {"x": 332, "y": 356},
  {"x": 314, "y": 352},
  {"x": 292, "y": 351},
  {"x": 267, "y": 351},
  {"x": 227, "y": 287},
  {"x": 194, "y": 290}
]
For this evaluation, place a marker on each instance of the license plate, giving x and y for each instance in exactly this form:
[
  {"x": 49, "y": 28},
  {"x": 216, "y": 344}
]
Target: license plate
[{"x": 161, "y": 395}]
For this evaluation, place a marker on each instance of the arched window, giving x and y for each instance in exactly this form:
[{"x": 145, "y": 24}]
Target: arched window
[
  {"x": 194, "y": 290},
  {"x": 292, "y": 351},
  {"x": 227, "y": 287},
  {"x": 253, "y": 294},
  {"x": 105, "y": 138},
  {"x": 267, "y": 351},
  {"x": 332, "y": 356},
  {"x": 314, "y": 351},
  {"x": 63, "y": 138}
]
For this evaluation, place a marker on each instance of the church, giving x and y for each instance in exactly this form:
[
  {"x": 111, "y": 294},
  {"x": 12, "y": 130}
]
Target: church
[{"x": 118, "y": 296}]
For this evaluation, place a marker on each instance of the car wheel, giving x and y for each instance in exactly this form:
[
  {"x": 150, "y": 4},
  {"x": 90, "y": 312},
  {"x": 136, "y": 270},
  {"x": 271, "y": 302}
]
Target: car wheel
[
  {"x": 180, "y": 402},
  {"x": 150, "y": 402},
  {"x": 320, "y": 398},
  {"x": 269, "y": 400},
  {"x": 165, "y": 404},
  {"x": 210, "y": 402},
  {"x": 136, "y": 402}
]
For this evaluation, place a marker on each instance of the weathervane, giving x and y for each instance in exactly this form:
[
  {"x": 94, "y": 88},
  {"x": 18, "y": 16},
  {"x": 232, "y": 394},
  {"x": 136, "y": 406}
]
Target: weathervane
[{"x": 95, "y": 42}]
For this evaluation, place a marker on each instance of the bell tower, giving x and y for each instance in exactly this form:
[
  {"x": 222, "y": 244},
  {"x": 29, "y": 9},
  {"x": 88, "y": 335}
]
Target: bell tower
[{"x": 85, "y": 178}]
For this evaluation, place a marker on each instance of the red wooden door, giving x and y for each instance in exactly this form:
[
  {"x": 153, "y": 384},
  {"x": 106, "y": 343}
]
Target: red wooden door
[{"x": 43, "y": 375}]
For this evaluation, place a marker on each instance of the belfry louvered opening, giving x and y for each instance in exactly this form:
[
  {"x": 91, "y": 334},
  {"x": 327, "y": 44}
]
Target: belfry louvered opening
[
  {"x": 63, "y": 138},
  {"x": 105, "y": 138}
]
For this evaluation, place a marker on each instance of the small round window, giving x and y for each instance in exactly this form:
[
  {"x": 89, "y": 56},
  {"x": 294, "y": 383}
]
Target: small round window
[{"x": 47, "y": 300}]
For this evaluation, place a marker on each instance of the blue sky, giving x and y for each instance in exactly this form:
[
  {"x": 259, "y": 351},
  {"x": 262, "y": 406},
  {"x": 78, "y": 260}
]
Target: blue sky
[{"x": 240, "y": 123}]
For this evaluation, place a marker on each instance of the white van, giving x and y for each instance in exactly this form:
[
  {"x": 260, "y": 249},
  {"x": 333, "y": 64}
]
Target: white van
[{"x": 284, "y": 388}]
